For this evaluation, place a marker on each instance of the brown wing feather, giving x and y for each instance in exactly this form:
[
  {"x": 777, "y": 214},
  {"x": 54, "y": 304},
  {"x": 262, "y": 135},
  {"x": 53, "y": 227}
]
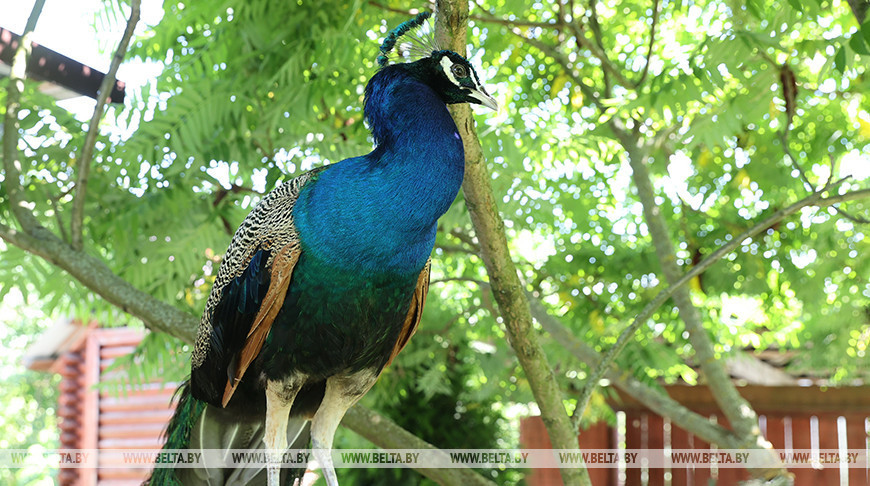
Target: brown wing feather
[
  {"x": 415, "y": 312},
  {"x": 282, "y": 270}
]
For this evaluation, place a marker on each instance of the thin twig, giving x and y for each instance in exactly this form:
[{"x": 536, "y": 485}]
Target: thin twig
[
  {"x": 87, "y": 152},
  {"x": 598, "y": 50},
  {"x": 562, "y": 60},
  {"x": 851, "y": 217},
  {"x": 11, "y": 155},
  {"x": 453, "y": 320},
  {"x": 465, "y": 238},
  {"x": 458, "y": 279},
  {"x": 783, "y": 139},
  {"x": 652, "y": 40},
  {"x": 814, "y": 199},
  {"x": 488, "y": 18},
  {"x": 455, "y": 249},
  {"x": 494, "y": 19},
  {"x": 57, "y": 216},
  {"x": 404, "y": 11}
]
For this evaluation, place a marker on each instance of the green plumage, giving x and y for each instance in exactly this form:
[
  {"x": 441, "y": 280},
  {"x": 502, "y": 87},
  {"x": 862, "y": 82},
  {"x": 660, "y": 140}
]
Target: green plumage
[{"x": 178, "y": 432}]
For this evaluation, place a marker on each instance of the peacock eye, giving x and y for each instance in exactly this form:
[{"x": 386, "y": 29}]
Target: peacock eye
[{"x": 459, "y": 71}]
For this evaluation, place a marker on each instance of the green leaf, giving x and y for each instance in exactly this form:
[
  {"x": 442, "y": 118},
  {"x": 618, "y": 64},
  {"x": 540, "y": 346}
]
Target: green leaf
[
  {"x": 840, "y": 60},
  {"x": 858, "y": 45}
]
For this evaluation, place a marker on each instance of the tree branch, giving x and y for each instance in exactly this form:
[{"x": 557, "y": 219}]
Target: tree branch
[
  {"x": 404, "y": 11},
  {"x": 839, "y": 198},
  {"x": 735, "y": 408},
  {"x": 814, "y": 199},
  {"x": 606, "y": 65},
  {"x": 494, "y": 19},
  {"x": 657, "y": 400},
  {"x": 562, "y": 60},
  {"x": 57, "y": 217},
  {"x": 455, "y": 249},
  {"x": 160, "y": 316},
  {"x": 652, "y": 41},
  {"x": 12, "y": 162},
  {"x": 597, "y": 49},
  {"x": 738, "y": 412},
  {"x": 859, "y": 8},
  {"x": 459, "y": 279},
  {"x": 783, "y": 139},
  {"x": 388, "y": 435},
  {"x": 451, "y": 30},
  {"x": 94, "y": 274},
  {"x": 87, "y": 151}
]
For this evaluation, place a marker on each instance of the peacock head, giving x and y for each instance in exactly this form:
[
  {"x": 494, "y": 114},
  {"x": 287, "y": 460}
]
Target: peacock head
[{"x": 448, "y": 73}]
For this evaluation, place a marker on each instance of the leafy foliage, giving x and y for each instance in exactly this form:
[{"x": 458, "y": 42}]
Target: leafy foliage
[
  {"x": 742, "y": 108},
  {"x": 29, "y": 398}
]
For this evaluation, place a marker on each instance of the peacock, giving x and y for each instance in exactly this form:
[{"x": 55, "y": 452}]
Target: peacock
[{"x": 325, "y": 280}]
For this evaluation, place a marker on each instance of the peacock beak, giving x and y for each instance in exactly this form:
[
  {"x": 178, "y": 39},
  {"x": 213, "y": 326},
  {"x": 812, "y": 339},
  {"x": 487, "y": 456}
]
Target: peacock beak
[{"x": 484, "y": 98}]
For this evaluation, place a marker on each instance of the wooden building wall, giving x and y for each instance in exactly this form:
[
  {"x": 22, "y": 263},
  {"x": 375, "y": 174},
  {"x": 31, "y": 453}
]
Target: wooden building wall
[{"x": 93, "y": 419}]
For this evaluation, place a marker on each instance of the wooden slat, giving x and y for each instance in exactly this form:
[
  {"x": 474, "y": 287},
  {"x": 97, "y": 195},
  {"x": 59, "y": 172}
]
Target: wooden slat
[
  {"x": 681, "y": 475},
  {"x": 68, "y": 440},
  {"x": 120, "y": 336},
  {"x": 120, "y": 482},
  {"x": 67, "y": 476},
  {"x": 856, "y": 438},
  {"x": 68, "y": 400},
  {"x": 130, "y": 431},
  {"x": 597, "y": 436},
  {"x": 67, "y": 412},
  {"x": 138, "y": 392},
  {"x": 68, "y": 386},
  {"x": 110, "y": 473},
  {"x": 533, "y": 435},
  {"x": 775, "y": 431},
  {"x": 137, "y": 443},
  {"x": 655, "y": 440},
  {"x": 140, "y": 403},
  {"x": 70, "y": 370},
  {"x": 764, "y": 400},
  {"x": 69, "y": 424},
  {"x": 703, "y": 474},
  {"x": 800, "y": 436},
  {"x": 634, "y": 437},
  {"x": 139, "y": 417},
  {"x": 828, "y": 439},
  {"x": 116, "y": 351},
  {"x": 730, "y": 475},
  {"x": 90, "y": 405}
]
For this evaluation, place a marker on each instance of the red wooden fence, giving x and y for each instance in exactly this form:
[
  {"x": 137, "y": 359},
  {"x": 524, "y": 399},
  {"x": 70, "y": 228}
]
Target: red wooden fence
[{"x": 791, "y": 418}]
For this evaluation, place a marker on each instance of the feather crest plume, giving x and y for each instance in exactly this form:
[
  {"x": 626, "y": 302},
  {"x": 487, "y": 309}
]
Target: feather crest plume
[{"x": 418, "y": 40}]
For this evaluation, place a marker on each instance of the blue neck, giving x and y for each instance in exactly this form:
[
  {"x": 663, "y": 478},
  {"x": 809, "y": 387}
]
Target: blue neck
[{"x": 378, "y": 213}]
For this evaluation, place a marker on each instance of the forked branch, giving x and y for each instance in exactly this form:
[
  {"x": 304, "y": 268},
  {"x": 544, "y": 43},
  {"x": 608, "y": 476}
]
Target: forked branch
[{"x": 814, "y": 199}]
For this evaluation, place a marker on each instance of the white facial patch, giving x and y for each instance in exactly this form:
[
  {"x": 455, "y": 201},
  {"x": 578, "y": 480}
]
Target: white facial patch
[{"x": 446, "y": 65}]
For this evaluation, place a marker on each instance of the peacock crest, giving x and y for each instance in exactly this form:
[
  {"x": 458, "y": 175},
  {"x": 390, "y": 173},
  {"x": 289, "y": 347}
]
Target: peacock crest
[{"x": 417, "y": 40}]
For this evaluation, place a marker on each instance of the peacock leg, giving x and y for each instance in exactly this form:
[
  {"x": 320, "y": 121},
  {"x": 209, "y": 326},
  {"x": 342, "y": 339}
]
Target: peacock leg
[
  {"x": 279, "y": 400},
  {"x": 342, "y": 392}
]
